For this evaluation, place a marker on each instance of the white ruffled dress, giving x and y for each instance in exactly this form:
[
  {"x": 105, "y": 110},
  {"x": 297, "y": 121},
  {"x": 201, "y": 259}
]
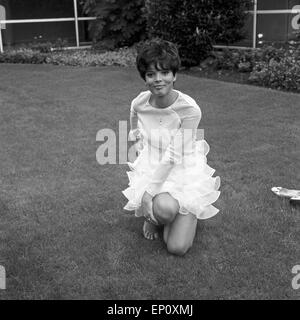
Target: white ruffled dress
[{"x": 170, "y": 157}]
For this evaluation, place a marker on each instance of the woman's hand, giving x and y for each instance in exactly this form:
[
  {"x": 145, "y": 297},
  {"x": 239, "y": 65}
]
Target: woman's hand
[
  {"x": 134, "y": 135},
  {"x": 147, "y": 207}
]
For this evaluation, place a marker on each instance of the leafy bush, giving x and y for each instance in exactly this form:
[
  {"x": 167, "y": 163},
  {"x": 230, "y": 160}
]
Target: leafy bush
[
  {"x": 179, "y": 21},
  {"x": 195, "y": 25},
  {"x": 120, "y": 22},
  {"x": 278, "y": 69},
  {"x": 229, "y": 19},
  {"x": 269, "y": 66},
  {"x": 240, "y": 60}
]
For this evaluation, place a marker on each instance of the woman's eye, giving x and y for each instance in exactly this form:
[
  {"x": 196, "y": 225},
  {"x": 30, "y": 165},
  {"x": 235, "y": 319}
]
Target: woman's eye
[
  {"x": 149, "y": 75},
  {"x": 165, "y": 72}
]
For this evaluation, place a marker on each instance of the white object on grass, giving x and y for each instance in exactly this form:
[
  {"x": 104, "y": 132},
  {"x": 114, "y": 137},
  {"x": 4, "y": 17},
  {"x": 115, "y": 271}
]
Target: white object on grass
[
  {"x": 2, "y": 278},
  {"x": 286, "y": 193}
]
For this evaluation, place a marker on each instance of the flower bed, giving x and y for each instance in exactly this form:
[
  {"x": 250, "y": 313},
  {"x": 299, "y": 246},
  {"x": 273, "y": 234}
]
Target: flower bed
[{"x": 122, "y": 57}]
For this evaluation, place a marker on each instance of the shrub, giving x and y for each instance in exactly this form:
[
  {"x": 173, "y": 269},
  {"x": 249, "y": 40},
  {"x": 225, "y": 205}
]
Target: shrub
[
  {"x": 240, "y": 60},
  {"x": 195, "y": 25},
  {"x": 229, "y": 19},
  {"x": 272, "y": 66},
  {"x": 278, "y": 69},
  {"x": 179, "y": 21},
  {"x": 120, "y": 22}
]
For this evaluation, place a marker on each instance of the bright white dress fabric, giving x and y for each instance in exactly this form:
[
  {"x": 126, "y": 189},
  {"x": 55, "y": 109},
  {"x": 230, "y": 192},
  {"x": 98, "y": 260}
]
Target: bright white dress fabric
[{"x": 170, "y": 159}]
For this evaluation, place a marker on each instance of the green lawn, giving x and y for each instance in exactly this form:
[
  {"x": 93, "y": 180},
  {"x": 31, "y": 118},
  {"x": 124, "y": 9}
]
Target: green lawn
[{"x": 63, "y": 232}]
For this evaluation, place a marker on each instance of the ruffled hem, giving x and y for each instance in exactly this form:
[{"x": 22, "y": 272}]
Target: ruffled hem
[{"x": 194, "y": 187}]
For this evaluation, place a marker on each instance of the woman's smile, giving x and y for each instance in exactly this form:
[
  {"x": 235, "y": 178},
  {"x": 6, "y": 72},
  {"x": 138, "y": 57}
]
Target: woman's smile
[{"x": 158, "y": 87}]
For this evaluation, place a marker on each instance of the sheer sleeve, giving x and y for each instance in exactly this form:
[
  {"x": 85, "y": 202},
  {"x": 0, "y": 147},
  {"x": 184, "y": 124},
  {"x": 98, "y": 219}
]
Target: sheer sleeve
[
  {"x": 181, "y": 145},
  {"x": 134, "y": 132}
]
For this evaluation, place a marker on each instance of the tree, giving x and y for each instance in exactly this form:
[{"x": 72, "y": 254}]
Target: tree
[{"x": 195, "y": 25}]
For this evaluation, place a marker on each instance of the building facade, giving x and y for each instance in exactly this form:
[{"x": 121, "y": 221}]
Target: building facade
[
  {"x": 276, "y": 21},
  {"x": 278, "y": 26},
  {"x": 40, "y": 9}
]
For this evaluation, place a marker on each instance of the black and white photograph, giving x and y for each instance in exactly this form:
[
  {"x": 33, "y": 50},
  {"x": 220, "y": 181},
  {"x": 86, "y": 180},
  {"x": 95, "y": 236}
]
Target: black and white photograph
[{"x": 149, "y": 153}]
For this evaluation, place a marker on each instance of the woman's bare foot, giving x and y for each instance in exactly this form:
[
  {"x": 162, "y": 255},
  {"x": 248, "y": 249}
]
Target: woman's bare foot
[{"x": 150, "y": 230}]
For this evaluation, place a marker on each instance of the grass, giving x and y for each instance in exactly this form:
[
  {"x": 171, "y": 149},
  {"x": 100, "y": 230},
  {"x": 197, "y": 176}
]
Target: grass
[
  {"x": 232, "y": 76},
  {"x": 63, "y": 232}
]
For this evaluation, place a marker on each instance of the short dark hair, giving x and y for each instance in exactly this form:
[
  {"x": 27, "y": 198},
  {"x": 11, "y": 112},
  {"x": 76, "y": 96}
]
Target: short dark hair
[{"x": 163, "y": 54}]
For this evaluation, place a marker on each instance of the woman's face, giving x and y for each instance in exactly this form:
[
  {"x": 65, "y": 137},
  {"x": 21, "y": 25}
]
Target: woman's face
[{"x": 160, "y": 82}]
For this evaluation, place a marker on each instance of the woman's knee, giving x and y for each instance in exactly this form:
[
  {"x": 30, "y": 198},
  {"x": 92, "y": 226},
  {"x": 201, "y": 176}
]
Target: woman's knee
[
  {"x": 178, "y": 249},
  {"x": 165, "y": 208}
]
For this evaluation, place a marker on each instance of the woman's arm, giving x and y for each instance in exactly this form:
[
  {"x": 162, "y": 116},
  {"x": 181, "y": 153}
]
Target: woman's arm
[{"x": 134, "y": 131}]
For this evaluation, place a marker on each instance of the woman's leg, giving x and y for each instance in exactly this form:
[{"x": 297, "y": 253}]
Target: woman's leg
[
  {"x": 179, "y": 230},
  {"x": 165, "y": 209},
  {"x": 181, "y": 234}
]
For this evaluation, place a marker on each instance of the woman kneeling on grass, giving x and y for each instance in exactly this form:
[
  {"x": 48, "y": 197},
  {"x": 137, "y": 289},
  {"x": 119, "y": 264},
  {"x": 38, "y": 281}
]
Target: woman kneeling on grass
[{"x": 170, "y": 183}]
